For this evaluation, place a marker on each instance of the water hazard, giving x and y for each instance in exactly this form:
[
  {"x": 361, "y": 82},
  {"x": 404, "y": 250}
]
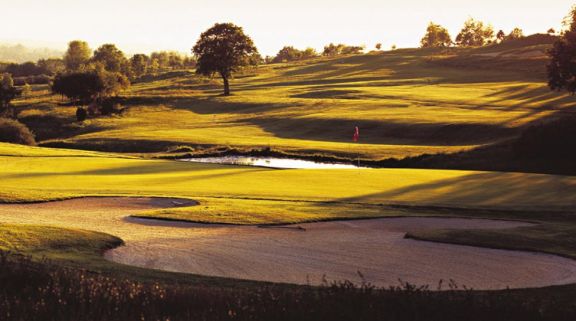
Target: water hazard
[{"x": 272, "y": 162}]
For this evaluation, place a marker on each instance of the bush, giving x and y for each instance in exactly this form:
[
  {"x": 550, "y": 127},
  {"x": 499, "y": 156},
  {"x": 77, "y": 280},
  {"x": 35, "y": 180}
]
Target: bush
[
  {"x": 33, "y": 291},
  {"x": 81, "y": 114},
  {"x": 551, "y": 140},
  {"x": 109, "y": 107},
  {"x": 14, "y": 132},
  {"x": 32, "y": 80}
]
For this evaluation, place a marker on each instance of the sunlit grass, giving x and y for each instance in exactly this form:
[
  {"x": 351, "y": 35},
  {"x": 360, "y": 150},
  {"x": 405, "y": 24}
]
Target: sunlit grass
[
  {"x": 404, "y": 104},
  {"x": 39, "y": 178}
]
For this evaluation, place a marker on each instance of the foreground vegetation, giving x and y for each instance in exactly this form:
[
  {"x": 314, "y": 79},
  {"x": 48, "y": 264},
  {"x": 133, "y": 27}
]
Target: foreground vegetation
[{"x": 51, "y": 292}]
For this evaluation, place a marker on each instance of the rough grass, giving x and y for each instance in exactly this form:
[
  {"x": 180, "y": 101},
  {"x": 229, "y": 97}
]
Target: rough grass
[{"x": 49, "y": 292}]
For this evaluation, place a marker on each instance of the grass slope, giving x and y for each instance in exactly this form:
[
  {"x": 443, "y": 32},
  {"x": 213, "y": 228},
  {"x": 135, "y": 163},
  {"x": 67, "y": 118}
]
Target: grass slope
[
  {"x": 246, "y": 195},
  {"x": 406, "y": 102},
  {"x": 40, "y": 178}
]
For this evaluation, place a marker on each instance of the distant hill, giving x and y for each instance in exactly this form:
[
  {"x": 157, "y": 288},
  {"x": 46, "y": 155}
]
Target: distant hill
[{"x": 19, "y": 53}]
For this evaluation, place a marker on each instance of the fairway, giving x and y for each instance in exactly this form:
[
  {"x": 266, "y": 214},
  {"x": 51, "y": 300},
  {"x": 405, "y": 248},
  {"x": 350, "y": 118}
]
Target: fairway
[
  {"x": 296, "y": 161},
  {"x": 55, "y": 174},
  {"x": 405, "y": 102}
]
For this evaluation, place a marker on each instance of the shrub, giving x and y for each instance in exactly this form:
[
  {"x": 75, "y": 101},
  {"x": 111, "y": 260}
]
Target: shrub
[
  {"x": 81, "y": 114},
  {"x": 110, "y": 106},
  {"x": 551, "y": 140},
  {"x": 12, "y": 131},
  {"x": 33, "y": 291}
]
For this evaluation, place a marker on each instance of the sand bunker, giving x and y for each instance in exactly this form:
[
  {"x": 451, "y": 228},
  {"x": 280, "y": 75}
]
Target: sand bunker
[{"x": 337, "y": 250}]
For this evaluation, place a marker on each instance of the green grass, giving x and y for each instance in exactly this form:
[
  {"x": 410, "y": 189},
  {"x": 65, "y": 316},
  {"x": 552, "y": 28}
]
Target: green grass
[
  {"x": 405, "y": 102},
  {"x": 41, "y": 178},
  {"x": 55, "y": 243},
  {"x": 247, "y": 195}
]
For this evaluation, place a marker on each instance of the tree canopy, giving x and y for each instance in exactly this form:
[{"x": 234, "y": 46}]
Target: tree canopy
[
  {"x": 474, "y": 34},
  {"x": 223, "y": 49},
  {"x": 341, "y": 49},
  {"x": 77, "y": 55},
  {"x": 562, "y": 66},
  {"x": 112, "y": 58},
  {"x": 7, "y": 93},
  {"x": 500, "y": 36},
  {"x": 139, "y": 64},
  {"x": 436, "y": 36},
  {"x": 289, "y": 53},
  {"x": 516, "y": 33},
  {"x": 89, "y": 85}
]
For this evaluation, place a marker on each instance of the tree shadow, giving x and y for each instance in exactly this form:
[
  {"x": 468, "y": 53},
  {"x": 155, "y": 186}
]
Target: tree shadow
[
  {"x": 384, "y": 132},
  {"x": 488, "y": 189}
]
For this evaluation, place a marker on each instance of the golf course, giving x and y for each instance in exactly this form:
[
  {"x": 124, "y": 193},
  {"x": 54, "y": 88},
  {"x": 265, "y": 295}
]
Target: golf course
[{"x": 431, "y": 184}]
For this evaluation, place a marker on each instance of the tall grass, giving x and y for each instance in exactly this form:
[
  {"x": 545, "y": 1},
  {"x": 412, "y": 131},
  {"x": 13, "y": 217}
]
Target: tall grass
[{"x": 44, "y": 291}]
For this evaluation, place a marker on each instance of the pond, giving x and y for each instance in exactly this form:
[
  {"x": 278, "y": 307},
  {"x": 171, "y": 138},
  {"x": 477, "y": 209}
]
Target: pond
[{"x": 272, "y": 162}]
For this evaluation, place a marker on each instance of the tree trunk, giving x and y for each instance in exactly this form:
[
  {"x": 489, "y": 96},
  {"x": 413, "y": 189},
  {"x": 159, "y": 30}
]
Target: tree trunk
[{"x": 226, "y": 86}]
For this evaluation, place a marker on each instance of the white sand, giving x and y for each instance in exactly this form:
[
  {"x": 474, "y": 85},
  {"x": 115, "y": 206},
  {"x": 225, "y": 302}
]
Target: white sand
[{"x": 376, "y": 248}]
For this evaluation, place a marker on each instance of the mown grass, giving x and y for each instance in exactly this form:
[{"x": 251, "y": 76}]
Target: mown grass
[
  {"x": 55, "y": 243},
  {"x": 406, "y": 103},
  {"x": 41, "y": 178},
  {"x": 247, "y": 195}
]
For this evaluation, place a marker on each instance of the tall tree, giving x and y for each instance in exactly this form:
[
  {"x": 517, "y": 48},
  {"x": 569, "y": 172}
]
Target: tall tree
[
  {"x": 474, "y": 34},
  {"x": 500, "y": 36},
  {"x": 81, "y": 86},
  {"x": 162, "y": 57},
  {"x": 436, "y": 36},
  {"x": 111, "y": 58},
  {"x": 139, "y": 63},
  {"x": 77, "y": 55},
  {"x": 7, "y": 93},
  {"x": 288, "y": 53},
  {"x": 562, "y": 66},
  {"x": 308, "y": 53},
  {"x": 516, "y": 33},
  {"x": 88, "y": 86},
  {"x": 223, "y": 49},
  {"x": 333, "y": 50}
]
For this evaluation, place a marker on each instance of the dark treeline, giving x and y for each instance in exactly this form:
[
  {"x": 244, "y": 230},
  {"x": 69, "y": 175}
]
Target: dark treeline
[
  {"x": 289, "y": 53},
  {"x": 40, "y": 72},
  {"x": 474, "y": 33},
  {"x": 43, "y": 291}
]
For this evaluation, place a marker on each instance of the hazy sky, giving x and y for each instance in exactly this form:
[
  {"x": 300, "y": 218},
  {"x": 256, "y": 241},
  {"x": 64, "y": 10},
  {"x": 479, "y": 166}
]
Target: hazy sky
[{"x": 146, "y": 25}]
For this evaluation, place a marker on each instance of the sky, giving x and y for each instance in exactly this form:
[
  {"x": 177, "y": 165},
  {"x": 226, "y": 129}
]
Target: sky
[{"x": 150, "y": 25}]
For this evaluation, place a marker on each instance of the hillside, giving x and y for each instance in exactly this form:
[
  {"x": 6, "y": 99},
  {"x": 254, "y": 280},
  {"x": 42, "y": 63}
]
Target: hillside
[
  {"x": 406, "y": 103},
  {"x": 17, "y": 53}
]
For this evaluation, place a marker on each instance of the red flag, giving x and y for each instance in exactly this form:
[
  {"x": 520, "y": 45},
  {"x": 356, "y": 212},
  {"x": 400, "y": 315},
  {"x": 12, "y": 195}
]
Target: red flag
[{"x": 356, "y": 134}]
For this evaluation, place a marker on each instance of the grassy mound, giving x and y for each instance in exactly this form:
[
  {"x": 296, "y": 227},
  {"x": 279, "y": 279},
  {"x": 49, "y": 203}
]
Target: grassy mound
[
  {"x": 55, "y": 243},
  {"x": 406, "y": 102}
]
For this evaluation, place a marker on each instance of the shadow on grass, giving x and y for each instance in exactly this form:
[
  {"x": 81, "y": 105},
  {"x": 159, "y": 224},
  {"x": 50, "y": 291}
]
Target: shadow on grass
[{"x": 489, "y": 189}]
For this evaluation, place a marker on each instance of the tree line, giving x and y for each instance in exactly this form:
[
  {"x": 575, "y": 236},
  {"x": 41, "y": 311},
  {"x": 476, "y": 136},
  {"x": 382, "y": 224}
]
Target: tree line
[
  {"x": 474, "y": 33},
  {"x": 289, "y": 53}
]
